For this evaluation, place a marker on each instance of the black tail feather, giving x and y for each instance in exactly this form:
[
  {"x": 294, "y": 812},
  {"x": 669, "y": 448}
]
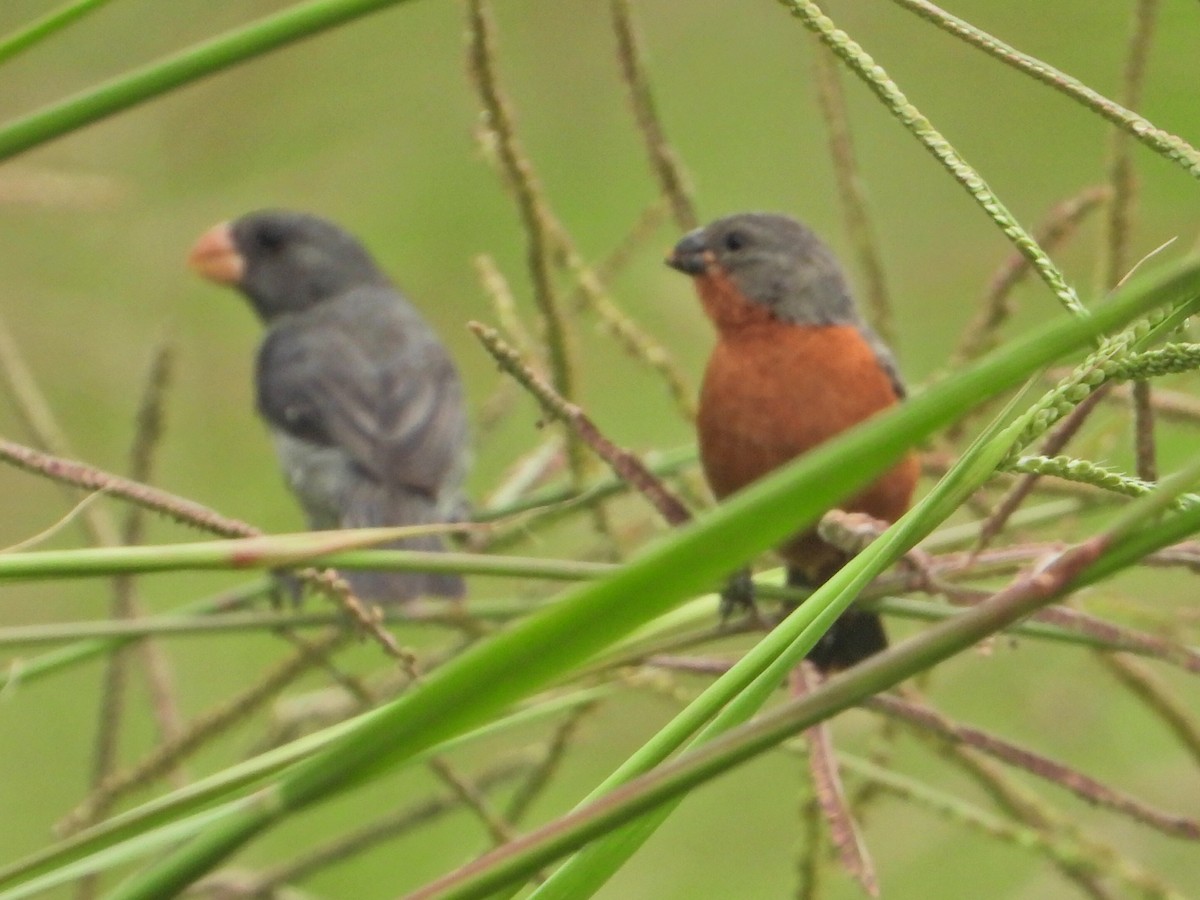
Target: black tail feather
[
  {"x": 372, "y": 506},
  {"x": 855, "y": 635}
]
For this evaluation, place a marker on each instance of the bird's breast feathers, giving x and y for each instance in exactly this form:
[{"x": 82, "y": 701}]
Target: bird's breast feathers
[{"x": 771, "y": 394}]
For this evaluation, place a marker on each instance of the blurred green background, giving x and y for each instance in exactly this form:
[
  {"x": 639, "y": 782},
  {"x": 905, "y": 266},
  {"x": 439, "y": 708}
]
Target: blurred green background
[{"x": 371, "y": 125}]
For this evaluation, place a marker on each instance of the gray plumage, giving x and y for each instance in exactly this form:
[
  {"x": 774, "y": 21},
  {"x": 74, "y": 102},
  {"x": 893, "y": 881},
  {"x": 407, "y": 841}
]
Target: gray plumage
[{"x": 364, "y": 403}]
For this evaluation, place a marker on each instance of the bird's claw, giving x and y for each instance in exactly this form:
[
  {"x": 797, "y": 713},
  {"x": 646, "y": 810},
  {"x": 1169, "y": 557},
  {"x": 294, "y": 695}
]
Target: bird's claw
[
  {"x": 287, "y": 589},
  {"x": 738, "y": 597}
]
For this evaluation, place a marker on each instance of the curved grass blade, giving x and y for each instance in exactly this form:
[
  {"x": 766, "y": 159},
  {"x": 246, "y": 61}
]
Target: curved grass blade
[{"x": 237, "y": 46}]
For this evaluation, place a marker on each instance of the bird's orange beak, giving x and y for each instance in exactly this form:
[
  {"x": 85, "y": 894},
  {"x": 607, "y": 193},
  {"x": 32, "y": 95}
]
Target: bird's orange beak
[{"x": 216, "y": 258}]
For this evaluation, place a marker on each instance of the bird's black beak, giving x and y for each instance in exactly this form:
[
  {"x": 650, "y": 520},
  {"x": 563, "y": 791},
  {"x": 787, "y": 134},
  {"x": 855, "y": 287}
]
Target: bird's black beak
[{"x": 689, "y": 255}]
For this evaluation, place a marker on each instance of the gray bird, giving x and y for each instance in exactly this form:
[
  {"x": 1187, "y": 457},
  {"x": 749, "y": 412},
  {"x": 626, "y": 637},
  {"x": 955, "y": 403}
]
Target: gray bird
[{"x": 363, "y": 401}]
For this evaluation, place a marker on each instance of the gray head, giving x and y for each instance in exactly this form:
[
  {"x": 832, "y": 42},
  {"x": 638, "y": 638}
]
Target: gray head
[
  {"x": 284, "y": 262},
  {"x": 772, "y": 260}
]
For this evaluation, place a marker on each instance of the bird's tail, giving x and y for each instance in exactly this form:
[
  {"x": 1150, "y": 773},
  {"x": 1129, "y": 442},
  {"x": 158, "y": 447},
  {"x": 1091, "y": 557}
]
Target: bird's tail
[
  {"x": 855, "y": 635},
  {"x": 371, "y": 507}
]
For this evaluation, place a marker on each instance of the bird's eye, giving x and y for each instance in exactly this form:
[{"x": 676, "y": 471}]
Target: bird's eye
[
  {"x": 270, "y": 238},
  {"x": 735, "y": 241}
]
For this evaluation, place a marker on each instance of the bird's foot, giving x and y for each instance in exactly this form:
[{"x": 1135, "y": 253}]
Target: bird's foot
[
  {"x": 287, "y": 589},
  {"x": 738, "y": 597}
]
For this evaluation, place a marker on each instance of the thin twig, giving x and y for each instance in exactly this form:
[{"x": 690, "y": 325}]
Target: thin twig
[
  {"x": 631, "y": 336},
  {"x": 1156, "y": 697},
  {"x": 550, "y": 244},
  {"x": 1121, "y": 176},
  {"x": 471, "y": 795},
  {"x": 1145, "y": 451},
  {"x": 1063, "y": 851},
  {"x": 191, "y": 513},
  {"x": 36, "y": 539},
  {"x": 1052, "y": 446},
  {"x": 1012, "y": 797},
  {"x": 303, "y": 714},
  {"x": 203, "y": 729},
  {"x": 539, "y": 777},
  {"x": 159, "y": 678},
  {"x": 1171, "y": 405},
  {"x": 124, "y": 607},
  {"x": 1015, "y": 799},
  {"x": 504, "y": 304},
  {"x": 1111, "y": 636},
  {"x": 197, "y": 624},
  {"x": 619, "y": 257},
  {"x": 809, "y": 868},
  {"x": 1165, "y": 144},
  {"x": 526, "y": 474},
  {"x": 853, "y": 196},
  {"x": 995, "y": 307},
  {"x": 664, "y": 162},
  {"x": 498, "y": 121},
  {"x": 1083, "y": 786},
  {"x": 67, "y": 471},
  {"x": 592, "y": 293},
  {"x": 386, "y": 828},
  {"x": 625, "y": 464},
  {"x": 929, "y": 720},
  {"x": 546, "y": 506},
  {"x": 831, "y": 796},
  {"x": 1123, "y": 179},
  {"x": 498, "y": 405},
  {"x": 922, "y": 129},
  {"x": 37, "y": 419}
]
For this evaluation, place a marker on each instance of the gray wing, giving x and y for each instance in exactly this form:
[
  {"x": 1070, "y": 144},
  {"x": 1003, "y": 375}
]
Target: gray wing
[
  {"x": 887, "y": 360},
  {"x": 365, "y": 374}
]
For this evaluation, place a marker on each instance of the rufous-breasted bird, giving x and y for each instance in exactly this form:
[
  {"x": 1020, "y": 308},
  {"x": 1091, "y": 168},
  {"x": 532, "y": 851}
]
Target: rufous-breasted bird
[
  {"x": 363, "y": 401},
  {"x": 793, "y": 366}
]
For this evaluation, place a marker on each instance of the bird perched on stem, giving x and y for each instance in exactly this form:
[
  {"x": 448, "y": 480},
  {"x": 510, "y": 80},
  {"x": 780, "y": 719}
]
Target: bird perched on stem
[
  {"x": 794, "y": 365},
  {"x": 362, "y": 399}
]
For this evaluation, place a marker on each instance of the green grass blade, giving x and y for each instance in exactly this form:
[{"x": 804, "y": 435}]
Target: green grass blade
[
  {"x": 40, "y": 29},
  {"x": 24, "y": 671},
  {"x": 121, "y": 853},
  {"x": 280, "y": 551},
  {"x": 269, "y": 33}
]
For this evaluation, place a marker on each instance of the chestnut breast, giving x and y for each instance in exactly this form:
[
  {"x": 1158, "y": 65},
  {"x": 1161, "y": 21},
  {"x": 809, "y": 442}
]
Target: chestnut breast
[{"x": 774, "y": 390}]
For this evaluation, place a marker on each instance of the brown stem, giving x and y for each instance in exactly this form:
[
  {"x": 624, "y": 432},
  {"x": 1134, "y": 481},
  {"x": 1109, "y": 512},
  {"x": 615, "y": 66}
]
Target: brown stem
[
  {"x": 1052, "y": 446},
  {"x": 1083, "y": 786},
  {"x": 626, "y": 465},
  {"x": 663, "y": 160},
  {"x": 832, "y": 102},
  {"x": 831, "y": 795}
]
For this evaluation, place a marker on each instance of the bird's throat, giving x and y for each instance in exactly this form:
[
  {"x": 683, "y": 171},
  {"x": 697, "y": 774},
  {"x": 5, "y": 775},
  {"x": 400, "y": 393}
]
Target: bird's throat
[{"x": 728, "y": 308}]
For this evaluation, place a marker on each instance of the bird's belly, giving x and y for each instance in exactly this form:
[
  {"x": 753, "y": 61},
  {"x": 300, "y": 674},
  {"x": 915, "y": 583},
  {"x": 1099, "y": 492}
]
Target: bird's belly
[{"x": 319, "y": 476}]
